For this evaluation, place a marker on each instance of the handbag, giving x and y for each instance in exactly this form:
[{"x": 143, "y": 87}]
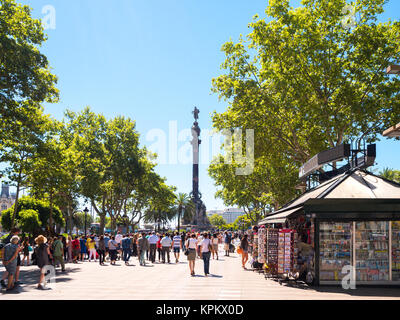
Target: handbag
[
  {"x": 186, "y": 252},
  {"x": 30, "y": 249}
]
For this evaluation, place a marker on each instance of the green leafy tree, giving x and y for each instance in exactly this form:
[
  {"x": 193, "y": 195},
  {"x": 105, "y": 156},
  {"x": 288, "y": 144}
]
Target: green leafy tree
[
  {"x": 42, "y": 207},
  {"x": 305, "y": 81},
  {"x": 20, "y": 152},
  {"x": 29, "y": 221},
  {"x": 390, "y": 174},
  {"x": 217, "y": 220},
  {"x": 25, "y": 77},
  {"x": 183, "y": 204},
  {"x": 110, "y": 162},
  {"x": 161, "y": 208},
  {"x": 48, "y": 174},
  {"x": 79, "y": 220}
]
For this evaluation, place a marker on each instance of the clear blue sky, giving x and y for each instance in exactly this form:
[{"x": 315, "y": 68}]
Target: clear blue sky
[{"x": 153, "y": 61}]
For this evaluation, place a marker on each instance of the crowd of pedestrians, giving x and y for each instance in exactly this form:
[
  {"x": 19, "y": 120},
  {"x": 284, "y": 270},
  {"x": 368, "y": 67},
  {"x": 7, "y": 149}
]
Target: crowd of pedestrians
[{"x": 147, "y": 247}]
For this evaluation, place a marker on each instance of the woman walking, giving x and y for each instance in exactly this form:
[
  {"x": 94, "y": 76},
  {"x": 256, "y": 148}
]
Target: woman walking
[
  {"x": 11, "y": 251},
  {"x": 25, "y": 245},
  {"x": 134, "y": 246},
  {"x": 69, "y": 249},
  {"x": 205, "y": 250},
  {"x": 215, "y": 242},
  {"x": 76, "y": 249},
  {"x": 113, "y": 247},
  {"x": 42, "y": 254},
  {"x": 91, "y": 246},
  {"x": 101, "y": 250},
  {"x": 65, "y": 253},
  {"x": 244, "y": 245},
  {"x": 191, "y": 245},
  {"x": 159, "y": 247}
]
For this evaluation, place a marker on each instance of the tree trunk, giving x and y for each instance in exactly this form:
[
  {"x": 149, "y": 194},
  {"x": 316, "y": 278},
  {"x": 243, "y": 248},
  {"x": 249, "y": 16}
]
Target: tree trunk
[
  {"x": 179, "y": 219},
  {"x": 70, "y": 223},
  {"x": 102, "y": 222},
  {"x": 51, "y": 228},
  {"x": 15, "y": 204}
]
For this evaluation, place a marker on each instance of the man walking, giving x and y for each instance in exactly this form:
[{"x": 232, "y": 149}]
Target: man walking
[
  {"x": 11, "y": 251},
  {"x": 153, "y": 239},
  {"x": 14, "y": 232},
  {"x": 143, "y": 246},
  {"x": 166, "y": 244},
  {"x": 177, "y": 245},
  {"x": 58, "y": 253},
  {"x": 227, "y": 241},
  {"x": 126, "y": 248},
  {"x": 106, "y": 239}
]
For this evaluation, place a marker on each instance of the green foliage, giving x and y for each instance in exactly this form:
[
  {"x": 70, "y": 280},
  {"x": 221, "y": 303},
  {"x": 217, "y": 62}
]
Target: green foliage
[
  {"x": 25, "y": 79},
  {"x": 390, "y": 174},
  {"x": 303, "y": 81},
  {"x": 6, "y": 217},
  {"x": 243, "y": 222},
  {"x": 217, "y": 221},
  {"x": 29, "y": 221},
  {"x": 79, "y": 220}
]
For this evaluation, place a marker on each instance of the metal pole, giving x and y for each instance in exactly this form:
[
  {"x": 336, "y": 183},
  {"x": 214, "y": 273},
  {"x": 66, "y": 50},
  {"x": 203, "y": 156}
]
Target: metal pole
[{"x": 85, "y": 221}]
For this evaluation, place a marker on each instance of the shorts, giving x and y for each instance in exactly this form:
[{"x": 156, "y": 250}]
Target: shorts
[
  {"x": 11, "y": 268},
  {"x": 76, "y": 252},
  {"x": 177, "y": 250},
  {"x": 215, "y": 247}
]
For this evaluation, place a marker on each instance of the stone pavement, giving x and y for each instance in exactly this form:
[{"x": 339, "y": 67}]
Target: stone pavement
[{"x": 89, "y": 280}]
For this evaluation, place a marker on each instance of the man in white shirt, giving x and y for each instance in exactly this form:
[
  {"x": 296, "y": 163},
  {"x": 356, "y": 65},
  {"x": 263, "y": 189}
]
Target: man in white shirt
[
  {"x": 118, "y": 237},
  {"x": 166, "y": 244},
  {"x": 177, "y": 245},
  {"x": 153, "y": 239},
  {"x": 205, "y": 245}
]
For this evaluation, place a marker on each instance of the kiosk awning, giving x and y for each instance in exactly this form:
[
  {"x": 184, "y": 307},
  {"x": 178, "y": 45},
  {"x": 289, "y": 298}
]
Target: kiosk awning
[{"x": 279, "y": 217}]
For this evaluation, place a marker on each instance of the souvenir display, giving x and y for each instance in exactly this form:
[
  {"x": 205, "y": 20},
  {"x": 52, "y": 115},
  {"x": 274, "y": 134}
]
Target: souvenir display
[
  {"x": 287, "y": 252},
  {"x": 261, "y": 245},
  {"x": 372, "y": 251},
  {"x": 335, "y": 249},
  {"x": 272, "y": 247},
  {"x": 396, "y": 250}
]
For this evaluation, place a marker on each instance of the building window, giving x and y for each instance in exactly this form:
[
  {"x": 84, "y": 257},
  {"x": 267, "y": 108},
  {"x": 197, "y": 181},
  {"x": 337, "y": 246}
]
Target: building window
[{"x": 3, "y": 207}]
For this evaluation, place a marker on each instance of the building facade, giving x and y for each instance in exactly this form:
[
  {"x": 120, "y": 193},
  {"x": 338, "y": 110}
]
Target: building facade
[
  {"x": 230, "y": 214},
  {"x": 7, "y": 199}
]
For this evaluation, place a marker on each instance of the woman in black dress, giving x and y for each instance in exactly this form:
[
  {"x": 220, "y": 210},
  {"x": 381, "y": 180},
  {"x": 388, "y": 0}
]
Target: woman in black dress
[
  {"x": 25, "y": 245},
  {"x": 134, "y": 246},
  {"x": 42, "y": 255}
]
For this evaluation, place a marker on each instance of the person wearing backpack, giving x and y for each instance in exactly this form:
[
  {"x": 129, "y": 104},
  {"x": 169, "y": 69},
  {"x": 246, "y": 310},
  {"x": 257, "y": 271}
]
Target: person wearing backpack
[
  {"x": 58, "y": 253},
  {"x": 126, "y": 244},
  {"x": 11, "y": 251},
  {"x": 227, "y": 241}
]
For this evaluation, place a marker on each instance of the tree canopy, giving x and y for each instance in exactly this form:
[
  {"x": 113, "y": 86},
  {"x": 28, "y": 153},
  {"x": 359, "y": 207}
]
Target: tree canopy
[{"x": 304, "y": 80}]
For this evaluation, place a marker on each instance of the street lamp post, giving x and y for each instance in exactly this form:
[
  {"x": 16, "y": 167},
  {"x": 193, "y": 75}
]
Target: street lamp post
[{"x": 86, "y": 211}]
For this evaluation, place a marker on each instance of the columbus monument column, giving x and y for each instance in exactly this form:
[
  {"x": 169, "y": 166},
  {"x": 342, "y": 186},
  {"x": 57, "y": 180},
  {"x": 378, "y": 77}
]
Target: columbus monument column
[{"x": 200, "y": 219}]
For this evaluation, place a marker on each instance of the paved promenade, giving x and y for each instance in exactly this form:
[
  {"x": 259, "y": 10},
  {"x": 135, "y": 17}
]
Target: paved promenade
[{"x": 228, "y": 281}]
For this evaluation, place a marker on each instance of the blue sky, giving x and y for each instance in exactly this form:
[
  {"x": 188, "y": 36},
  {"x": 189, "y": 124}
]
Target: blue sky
[{"x": 153, "y": 61}]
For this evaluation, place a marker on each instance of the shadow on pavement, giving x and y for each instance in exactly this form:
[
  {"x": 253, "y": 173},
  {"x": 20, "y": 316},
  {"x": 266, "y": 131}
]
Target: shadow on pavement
[
  {"x": 30, "y": 278},
  {"x": 361, "y": 291}
]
